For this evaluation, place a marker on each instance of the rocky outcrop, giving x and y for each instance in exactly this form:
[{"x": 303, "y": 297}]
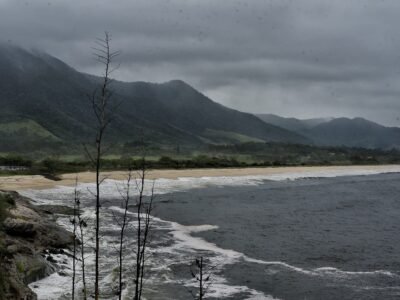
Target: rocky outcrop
[
  {"x": 27, "y": 235},
  {"x": 18, "y": 227}
]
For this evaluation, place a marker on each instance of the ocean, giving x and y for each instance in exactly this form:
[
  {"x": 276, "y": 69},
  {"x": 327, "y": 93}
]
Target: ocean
[{"x": 321, "y": 236}]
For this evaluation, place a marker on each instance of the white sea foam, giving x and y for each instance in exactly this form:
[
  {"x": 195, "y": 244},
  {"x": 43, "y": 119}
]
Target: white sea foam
[
  {"x": 51, "y": 287},
  {"x": 335, "y": 271},
  {"x": 184, "y": 246},
  {"x": 111, "y": 189}
]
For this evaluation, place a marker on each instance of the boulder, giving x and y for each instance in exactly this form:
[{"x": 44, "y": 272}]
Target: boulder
[{"x": 19, "y": 227}]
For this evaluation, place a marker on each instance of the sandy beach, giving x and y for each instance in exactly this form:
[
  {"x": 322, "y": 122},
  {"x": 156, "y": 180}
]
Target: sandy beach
[{"x": 39, "y": 182}]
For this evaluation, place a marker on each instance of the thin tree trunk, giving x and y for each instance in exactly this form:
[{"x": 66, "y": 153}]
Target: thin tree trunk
[
  {"x": 103, "y": 113},
  {"x": 74, "y": 245},
  {"x": 122, "y": 232},
  {"x": 201, "y": 278},
  {"x": 81, "y": 225},
  {"x": 97, "y": 234},
  {"x": 142, "y": 230},
  {"x": 139, "y": 246}
]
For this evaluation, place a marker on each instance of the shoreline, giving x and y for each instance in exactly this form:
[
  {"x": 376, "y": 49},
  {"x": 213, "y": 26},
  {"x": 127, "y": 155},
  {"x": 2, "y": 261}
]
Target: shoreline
[
  {"x": 23, "y": 182},
  {"x": 30, "y": 241}
]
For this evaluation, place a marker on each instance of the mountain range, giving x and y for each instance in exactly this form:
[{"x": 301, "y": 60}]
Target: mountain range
[
  {"x": 356, "y": 132},
  {"x": 44, "y": 101},
  {"x": 44, "y": 104}
]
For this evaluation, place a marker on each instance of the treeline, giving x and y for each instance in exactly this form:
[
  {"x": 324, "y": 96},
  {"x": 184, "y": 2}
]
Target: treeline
[
  {"x": 217, "y": 156},
  {"x": 280, "y": 154},
  {"x": 50, "y": 166},
  {"x": 15, "y": 161}
]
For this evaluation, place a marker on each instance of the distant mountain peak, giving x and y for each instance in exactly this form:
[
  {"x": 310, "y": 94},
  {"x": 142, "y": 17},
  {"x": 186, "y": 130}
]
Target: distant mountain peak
[
  {"x": 179, "y": 84},
  {"x": 344, "y": 131}
]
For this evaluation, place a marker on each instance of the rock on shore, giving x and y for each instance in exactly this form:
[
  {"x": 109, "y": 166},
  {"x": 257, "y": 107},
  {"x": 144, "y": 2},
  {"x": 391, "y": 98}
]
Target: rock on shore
[{"x": 27, "y": 235}]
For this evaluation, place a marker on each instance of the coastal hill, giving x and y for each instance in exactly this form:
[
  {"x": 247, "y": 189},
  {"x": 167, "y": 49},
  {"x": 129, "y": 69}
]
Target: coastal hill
[
  {"x": 45, "y": 103},
  {"x": 356, "y": 132}
]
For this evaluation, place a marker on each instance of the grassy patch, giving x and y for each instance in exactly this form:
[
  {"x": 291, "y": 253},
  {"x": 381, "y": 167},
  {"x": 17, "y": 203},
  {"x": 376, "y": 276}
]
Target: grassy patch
[
  {"x": 20, "y": 266},
  {"x": 26, "y": 128},
  {"x": 2, "y": 285},
  {"x": 6, "y": 202},
  {"x": 219, "y": 136}
]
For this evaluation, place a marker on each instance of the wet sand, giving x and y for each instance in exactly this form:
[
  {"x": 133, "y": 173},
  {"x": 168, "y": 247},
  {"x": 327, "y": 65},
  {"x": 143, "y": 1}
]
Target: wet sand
[{"x": 21, "y": 182}]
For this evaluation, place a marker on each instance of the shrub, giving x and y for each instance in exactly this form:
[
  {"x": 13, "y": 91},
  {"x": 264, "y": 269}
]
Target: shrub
[
  {"x": 20, "y": 266},
  {"x": 6, "y": 201}
]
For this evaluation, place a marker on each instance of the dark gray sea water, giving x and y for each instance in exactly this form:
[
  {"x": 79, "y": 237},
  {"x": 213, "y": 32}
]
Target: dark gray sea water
[
  {"x": 321, "y": 238},
  {"x": 309, "y": 238}
]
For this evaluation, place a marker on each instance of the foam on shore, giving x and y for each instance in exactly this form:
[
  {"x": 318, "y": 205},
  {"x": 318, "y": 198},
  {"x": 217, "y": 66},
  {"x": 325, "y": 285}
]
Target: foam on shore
[{"x": 181, "y": 244}]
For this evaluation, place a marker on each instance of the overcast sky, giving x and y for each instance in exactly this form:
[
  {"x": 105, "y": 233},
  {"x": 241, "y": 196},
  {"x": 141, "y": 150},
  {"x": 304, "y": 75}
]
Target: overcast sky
[{"x": 310, "y": 58}]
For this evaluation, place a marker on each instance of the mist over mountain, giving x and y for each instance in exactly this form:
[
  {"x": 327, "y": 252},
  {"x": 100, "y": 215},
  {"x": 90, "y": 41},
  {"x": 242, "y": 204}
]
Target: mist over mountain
[
  {"x": 356, "y": 132},
  {"x": 292, "y": 124},
  {"x": 44, "y": 101}
]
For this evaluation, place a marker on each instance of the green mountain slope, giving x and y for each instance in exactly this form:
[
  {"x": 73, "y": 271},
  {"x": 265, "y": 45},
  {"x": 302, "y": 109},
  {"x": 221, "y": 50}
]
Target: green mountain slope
[{"x": 41, "y": 89}]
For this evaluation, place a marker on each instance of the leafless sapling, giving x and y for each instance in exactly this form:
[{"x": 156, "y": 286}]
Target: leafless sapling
[
  {"x": 124, "y": 223},
  {"x": 143, "y": 226},
  {"x": 74, "y": 222},
  {"x": 78, "y": 224},
  {"x": 81, "y": 225},
  {"x": 203, "y": 278},
  {"x": 104, "y": 112}
]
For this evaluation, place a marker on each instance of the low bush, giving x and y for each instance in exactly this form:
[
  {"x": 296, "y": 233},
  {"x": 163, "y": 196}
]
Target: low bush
[{"x": 6, "y": 201}]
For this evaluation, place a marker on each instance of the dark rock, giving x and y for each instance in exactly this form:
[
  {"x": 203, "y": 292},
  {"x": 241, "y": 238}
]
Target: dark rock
[
  {"x": 19, "y": 248},
  {"x": 51, "y": 259},
  {"x": 57, "y": 209},
  {"x": 26, "y": 235},
  {"x": 56, "y": 251},
  {"x": 53, "y": 236},
  {"x": 62, "y": 274},
  {"x": 18, "y": 227},
  {"x": 36, "y": 270}
]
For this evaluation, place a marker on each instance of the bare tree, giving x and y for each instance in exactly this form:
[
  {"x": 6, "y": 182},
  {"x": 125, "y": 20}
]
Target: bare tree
[
  {"x": 123, "y": 224},
  {"x": 143, "y": 226},
  {"x": 78, "y": 223},
  {"x": 104, "y": 112},
  {"x": 82, "y": 225},
  {"x": 199, "y": 273},
  {"x": 74, "y": 250}
]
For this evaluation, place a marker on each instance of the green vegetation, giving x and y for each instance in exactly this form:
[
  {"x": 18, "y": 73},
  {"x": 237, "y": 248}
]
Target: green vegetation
[
  {"x": 2, "y": 285},
  {"x": 25, "y": 127},
  {"x": 6, "y": 201},
  {"x": 3, "y": 253},
  {"x": 279, "y": 154},
  {"x": 215, "y": 156},
  {"x": 12, "y": 160},
  {"x": 25, "y": 135},
  {"x": 52, "y": 115},
  {"x": 219, "y": 136},
  {"x": 20, "y": 266}
]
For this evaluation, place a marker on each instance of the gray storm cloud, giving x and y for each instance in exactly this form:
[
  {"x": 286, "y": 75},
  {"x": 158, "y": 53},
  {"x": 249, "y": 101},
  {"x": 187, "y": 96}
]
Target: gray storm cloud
[{"x": 305, "y": 58}]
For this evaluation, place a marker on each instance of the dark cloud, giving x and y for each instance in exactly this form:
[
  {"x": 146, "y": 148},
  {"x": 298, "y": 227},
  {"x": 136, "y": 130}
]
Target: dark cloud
[{"x": 303, "y": 58}]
